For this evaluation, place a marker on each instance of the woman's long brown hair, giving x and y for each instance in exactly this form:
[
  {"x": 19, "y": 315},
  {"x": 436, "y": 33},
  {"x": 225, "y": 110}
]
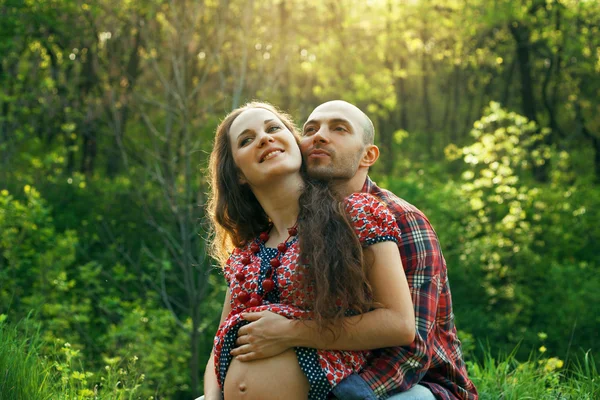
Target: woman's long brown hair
[{"x": 328, "y": 243}]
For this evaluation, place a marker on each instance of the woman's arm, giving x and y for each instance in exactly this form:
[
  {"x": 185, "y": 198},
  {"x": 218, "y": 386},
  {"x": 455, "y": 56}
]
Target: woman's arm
[
  {"x": 392, "y": 324},
  {"x": 211, "y": 386}
]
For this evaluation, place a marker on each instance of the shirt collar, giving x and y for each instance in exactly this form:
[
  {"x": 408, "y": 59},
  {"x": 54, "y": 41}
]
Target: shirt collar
[{"x": 368, "y": 185}]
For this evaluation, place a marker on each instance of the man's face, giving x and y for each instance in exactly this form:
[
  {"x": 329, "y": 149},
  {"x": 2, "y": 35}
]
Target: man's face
[{"x": 332, "y": 141}]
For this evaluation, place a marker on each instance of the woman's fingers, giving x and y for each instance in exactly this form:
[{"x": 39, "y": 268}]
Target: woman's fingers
[
  {"x": 240, "y": 350},
  {"x": 247, "y": 357},
  {"x": 241, "y": 340},
  {"x": 252, "y": 316}
]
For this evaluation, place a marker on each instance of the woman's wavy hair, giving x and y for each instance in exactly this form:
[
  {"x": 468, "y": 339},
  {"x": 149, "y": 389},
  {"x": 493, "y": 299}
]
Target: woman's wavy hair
[
  {"x": 236, "y": 214},
  {"x": 328, "y": 243}
]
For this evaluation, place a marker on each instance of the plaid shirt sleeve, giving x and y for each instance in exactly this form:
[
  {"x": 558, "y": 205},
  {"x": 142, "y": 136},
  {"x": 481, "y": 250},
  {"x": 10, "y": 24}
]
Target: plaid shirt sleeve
[{"x": 434, "y": 359}]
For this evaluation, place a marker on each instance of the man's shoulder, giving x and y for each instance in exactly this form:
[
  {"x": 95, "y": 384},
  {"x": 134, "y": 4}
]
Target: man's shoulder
[{"x": 395, "y": 203}]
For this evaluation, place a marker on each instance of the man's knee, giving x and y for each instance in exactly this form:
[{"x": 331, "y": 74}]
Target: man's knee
[{"x": 417, "y": 392}]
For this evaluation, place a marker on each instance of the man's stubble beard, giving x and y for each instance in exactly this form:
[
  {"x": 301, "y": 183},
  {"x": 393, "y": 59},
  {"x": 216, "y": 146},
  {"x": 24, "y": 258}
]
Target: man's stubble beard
[{"x": 330, "y": 172}]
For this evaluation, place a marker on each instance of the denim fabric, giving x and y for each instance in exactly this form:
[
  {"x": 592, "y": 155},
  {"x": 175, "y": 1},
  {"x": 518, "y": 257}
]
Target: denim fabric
[
  {"x": 417, "y": 392},
  {"x": 353, "y": 388}
]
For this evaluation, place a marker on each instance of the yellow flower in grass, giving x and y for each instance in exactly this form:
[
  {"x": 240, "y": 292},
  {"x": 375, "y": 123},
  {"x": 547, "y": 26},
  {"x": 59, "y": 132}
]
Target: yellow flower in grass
[
  {"x": 543, "y": 349},
  {"x": 86, "y": 393},
  {"x": 112, "y": 360},
  {"x": 78, "y": 375},
  {"x": 552, "y": 364}
]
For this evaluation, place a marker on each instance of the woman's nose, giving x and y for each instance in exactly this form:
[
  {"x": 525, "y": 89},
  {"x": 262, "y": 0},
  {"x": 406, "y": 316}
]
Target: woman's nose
[{"x": 264, "y": 139}]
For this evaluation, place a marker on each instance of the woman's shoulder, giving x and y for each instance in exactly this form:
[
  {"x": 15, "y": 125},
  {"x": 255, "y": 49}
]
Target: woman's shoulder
[
  {"x": 371, "y": 218},
  {"x": 364, "y": 202}
]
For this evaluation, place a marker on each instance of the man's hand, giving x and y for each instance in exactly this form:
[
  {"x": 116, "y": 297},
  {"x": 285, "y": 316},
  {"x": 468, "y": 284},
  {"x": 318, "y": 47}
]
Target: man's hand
[{"x": 265, "y": 336}]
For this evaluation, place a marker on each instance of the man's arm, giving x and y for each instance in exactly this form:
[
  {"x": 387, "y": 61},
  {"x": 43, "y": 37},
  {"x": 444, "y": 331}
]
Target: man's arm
[
  {"x": 392, "y": 324},
  {"x": 399, "y": 368}
]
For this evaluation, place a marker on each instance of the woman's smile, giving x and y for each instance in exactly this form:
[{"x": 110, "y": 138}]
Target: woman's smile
[{"x": 270, "y": 154}]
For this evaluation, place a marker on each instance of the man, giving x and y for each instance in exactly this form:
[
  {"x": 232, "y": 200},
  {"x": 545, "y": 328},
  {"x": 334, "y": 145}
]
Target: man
[{"x": 337, "y": 146}]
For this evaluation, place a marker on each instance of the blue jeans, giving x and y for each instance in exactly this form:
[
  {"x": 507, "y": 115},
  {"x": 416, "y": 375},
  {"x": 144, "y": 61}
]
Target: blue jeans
[
  {"x": 417, "y": 392},
  {"x": 355, "y": 388}
]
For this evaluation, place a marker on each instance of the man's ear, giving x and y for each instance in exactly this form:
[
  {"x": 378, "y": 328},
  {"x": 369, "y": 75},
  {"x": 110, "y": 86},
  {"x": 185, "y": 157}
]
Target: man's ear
[{"x": 371, "y": 154}]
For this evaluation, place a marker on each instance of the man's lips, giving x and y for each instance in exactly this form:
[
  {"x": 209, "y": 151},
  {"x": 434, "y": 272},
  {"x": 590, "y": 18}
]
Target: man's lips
[{"x": 318, "y": 153}]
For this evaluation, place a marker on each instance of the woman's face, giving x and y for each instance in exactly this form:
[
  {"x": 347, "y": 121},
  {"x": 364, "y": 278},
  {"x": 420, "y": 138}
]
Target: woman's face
[{"x": 262, "y": 147}]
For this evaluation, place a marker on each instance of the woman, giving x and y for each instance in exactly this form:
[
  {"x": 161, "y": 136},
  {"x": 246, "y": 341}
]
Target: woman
[{"x": 297, "y": 251}]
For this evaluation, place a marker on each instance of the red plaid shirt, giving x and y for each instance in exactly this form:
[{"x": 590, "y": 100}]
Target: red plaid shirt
[{"x": 434, "y": 359}]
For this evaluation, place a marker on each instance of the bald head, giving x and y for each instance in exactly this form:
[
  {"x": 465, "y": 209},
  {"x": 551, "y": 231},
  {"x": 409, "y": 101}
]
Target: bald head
[{"x": 355, "y": 113}]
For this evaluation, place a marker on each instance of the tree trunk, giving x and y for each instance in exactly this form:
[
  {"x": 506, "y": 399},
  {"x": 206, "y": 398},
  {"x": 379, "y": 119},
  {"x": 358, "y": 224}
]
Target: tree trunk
[
  {"x": 402, "y": 98},
  {"x": 521, "y": 35},
  {"x": 595, "y": 139},
  {"x": 510, "y": 71},
  {"x": 455, "y": 106},
  {"x": 128, "y": 79},
  {"x": 427, "y": 106}
]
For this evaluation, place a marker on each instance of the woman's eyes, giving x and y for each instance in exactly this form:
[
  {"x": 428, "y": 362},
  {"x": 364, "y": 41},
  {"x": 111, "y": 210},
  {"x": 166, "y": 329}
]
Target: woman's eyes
[{"x": 269, "y": 129}]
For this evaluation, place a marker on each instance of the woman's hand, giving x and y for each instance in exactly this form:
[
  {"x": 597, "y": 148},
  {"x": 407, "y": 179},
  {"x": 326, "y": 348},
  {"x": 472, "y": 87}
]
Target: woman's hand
[{"x": 267, "y": 335}]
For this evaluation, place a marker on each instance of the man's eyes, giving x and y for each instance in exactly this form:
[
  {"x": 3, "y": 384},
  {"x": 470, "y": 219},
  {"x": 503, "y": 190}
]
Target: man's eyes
[{"x": 309, "y": 131}]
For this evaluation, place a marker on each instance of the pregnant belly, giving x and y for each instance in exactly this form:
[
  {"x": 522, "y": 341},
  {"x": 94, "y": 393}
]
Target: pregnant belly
[{"x": 278, "y": 377}]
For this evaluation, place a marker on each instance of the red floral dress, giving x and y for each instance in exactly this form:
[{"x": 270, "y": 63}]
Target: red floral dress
[{"x": 373, "y": 223}]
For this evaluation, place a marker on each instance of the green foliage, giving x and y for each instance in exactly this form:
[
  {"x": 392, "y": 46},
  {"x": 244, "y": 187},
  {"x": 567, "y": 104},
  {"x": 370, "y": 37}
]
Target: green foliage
[
  {"x": 29, "y": 372},
  {"x": 22, "y": 374},
  {"x": 520, "y": 255},
  {"x": 107, "y": 113},
  {"x": 75, "y": 304},
  {"x": 537, "y": 378}
]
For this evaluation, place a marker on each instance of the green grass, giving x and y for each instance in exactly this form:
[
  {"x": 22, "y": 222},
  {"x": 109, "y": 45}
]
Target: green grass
[
  {"x": 537, "y": 379},
  {"x": 23, "y": 375},
  {"x": 27, "y": 374}
]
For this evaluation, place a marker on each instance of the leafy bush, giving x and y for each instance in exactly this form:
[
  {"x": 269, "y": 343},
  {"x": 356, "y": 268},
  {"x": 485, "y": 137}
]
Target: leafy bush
[{"x": 521, "y": 255}]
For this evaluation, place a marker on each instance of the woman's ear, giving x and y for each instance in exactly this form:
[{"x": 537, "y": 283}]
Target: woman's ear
[{"x": 370, "y": 155}]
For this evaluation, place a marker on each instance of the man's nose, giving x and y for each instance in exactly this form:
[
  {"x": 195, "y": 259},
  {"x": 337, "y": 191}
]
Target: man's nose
[{"x": 321, "y": 136}]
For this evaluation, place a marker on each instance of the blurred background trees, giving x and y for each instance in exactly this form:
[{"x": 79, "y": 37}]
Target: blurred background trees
[{"x": 487, "y": 115}]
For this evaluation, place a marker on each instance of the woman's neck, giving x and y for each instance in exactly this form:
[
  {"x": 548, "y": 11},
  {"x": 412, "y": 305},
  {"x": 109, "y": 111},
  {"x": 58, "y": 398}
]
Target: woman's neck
[{"x": 279, "y": 200}]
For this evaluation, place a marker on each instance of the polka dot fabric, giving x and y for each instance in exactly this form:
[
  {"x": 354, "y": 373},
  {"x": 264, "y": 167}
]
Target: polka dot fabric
[{"x": 324, "y": 369}]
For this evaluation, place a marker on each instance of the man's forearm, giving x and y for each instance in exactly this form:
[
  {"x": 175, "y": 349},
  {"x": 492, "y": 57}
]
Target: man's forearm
[{"x": 375, "y": 329}]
